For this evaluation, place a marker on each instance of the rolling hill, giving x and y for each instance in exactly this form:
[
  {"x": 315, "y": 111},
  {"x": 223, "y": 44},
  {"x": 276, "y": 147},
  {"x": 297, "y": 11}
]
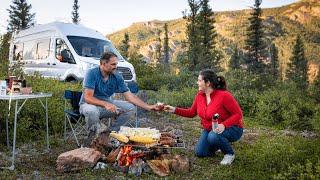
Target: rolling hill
[{"x": 282, "y": 24}]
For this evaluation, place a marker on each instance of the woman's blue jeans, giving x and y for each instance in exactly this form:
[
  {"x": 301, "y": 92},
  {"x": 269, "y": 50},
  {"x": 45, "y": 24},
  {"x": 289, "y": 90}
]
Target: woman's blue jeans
[{"x": 209, "y": 141}]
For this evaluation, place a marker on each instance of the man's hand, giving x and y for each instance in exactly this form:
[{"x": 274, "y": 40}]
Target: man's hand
[
  {"x": 220, "y": 128},
  {"x": 153, "y": 107},
  {"x": 170, "y": 109},
  {"x": 110, "y": 107}
]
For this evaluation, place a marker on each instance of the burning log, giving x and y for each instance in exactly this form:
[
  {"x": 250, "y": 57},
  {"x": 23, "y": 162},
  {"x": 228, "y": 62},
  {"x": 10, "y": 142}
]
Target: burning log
[
  {"x": 112, "y": 156},
  {"x": 102, "y": 143},
  {"x": 160, "y": 167}
]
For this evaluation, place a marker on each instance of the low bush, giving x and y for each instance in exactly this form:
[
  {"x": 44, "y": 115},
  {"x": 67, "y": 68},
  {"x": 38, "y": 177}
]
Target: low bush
[
  {"x": 308, "y": 170},
  {"x": 286, "y": 107},
  {"x": 31, "y": 119},
  {"x": 183, "y": 98}
]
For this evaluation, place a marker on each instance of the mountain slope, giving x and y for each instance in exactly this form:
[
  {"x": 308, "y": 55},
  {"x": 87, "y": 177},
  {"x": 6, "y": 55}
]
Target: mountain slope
[{"x": 282, "y": 24}]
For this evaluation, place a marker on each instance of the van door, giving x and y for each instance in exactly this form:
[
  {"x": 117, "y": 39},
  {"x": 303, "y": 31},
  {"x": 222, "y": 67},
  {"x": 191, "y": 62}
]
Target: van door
[{"x": 64, "y": 60}]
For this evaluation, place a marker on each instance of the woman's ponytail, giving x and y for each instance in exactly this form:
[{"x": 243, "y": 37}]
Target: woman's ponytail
[{"x": 221, "y": 83}]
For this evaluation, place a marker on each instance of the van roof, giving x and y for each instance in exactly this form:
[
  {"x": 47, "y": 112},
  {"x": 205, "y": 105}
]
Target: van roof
[{"x": 66, "y": 29}]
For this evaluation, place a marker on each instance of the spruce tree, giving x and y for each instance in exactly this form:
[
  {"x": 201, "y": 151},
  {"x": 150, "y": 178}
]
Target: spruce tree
[
  {"x": 4, "y": 47},
  {"x": 75, "y": 12},
  {"x": 207, "y": 35},
  {"x": 193, "y": 39},
  {"x": 316, "y": 85},
  {"x": 255, "y": 45},
  {"x": 166, "y": 47},
  {"x": 20, "y": 16},
  {"x": 124, "y": 47},
  {"x": 235, "y": 59},
  {"x": 158, "y": 47},
  {"x": 298, "y": 66},
  {"x": 274, "y": 66}
]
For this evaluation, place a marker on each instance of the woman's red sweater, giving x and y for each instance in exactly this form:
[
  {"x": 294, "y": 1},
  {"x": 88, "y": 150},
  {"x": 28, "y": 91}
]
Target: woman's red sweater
[{"x": 222, "y": 102}]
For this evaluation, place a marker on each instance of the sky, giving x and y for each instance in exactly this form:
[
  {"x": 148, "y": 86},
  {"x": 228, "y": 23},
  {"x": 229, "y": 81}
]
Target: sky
[{"x": 109, "y": 16}]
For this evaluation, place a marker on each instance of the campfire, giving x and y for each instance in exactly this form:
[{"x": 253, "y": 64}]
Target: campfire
[{"x": 131, "y": 150}]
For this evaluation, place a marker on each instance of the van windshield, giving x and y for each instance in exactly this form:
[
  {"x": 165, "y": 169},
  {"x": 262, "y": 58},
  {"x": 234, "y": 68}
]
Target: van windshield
[{"x": 91, "y": 47}]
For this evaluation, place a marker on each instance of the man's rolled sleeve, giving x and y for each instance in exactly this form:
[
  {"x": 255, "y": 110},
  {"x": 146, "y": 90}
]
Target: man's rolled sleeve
[
  {"x": 122, "y": 87},
  {"x": 89, "y": 80}
]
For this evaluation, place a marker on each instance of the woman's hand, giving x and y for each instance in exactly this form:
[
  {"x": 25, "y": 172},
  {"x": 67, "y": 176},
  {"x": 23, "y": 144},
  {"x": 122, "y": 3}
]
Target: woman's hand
[
  {"x": 170, "y": 109},
  {"x": 220, "y": 128}
]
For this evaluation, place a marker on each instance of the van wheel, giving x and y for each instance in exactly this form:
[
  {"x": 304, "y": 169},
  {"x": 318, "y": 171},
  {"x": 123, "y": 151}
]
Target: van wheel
[{"x": 71, "y": 79}]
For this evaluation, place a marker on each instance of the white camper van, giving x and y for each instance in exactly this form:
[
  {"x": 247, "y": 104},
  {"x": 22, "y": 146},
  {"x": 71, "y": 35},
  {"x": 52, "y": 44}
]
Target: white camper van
[{"x": 64, "y": 51}]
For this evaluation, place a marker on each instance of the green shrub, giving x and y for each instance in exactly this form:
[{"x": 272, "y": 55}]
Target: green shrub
[
  {"x": 275, "y": 109},
  {"x": 182, "y": 98},
  {"x": 286, "y": 107},
  {"x": 308, "y": 170},
  {"x": 31, "y": 119},
  {"x": 247, "y": 99},
  {"x": 157, "y": 80}
]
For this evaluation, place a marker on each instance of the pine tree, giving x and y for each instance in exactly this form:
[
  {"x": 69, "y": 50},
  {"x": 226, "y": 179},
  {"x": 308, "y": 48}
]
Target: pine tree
[
  {"x": 298, "y": 66},
  {"x": 316, "y": 85},
  {"x": 255, "y": 45},
  {"x": 207, "y": 34},
  {"x": 274, "y": 66},
  {"x": 158, "y": 48},
  {"x": 75, "y": 12},
  {"x": 4, "y": 52},
  {"x": 192, "y": 43},
  {"x": 124, "y": 47},
  {"x": 20, "y": 16},
  {"x": 166, "y": 47},
  {"x": 235, "y": 59}
]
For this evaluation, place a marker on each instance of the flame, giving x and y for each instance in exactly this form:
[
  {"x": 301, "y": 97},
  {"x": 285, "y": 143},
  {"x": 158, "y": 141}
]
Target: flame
[{"x": 125, "y": 158}]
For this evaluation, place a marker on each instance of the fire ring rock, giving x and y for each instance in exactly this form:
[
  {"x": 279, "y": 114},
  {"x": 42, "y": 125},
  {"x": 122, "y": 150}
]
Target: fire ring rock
[{"x": 77, "y": 159}]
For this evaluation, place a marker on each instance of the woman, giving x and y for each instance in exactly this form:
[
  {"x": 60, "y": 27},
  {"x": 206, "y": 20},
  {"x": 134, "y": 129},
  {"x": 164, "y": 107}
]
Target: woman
[{"x": 213, "y": 98}]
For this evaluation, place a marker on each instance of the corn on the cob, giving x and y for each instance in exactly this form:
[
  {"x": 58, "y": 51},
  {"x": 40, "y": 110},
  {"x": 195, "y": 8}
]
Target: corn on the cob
[
  {"x": 142, "y": 139},
  {"x": 119, "y": 137}
]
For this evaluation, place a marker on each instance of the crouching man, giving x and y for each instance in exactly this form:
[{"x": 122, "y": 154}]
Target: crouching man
[{"x": 99, "y": 85}]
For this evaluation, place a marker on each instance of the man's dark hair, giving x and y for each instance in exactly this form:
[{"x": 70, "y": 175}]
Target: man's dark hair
[{"x": 106, "y": 56}]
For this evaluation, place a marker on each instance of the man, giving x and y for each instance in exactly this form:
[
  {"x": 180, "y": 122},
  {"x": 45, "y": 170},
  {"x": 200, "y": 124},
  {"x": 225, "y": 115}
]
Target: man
[{"x": 99, "y": 85}]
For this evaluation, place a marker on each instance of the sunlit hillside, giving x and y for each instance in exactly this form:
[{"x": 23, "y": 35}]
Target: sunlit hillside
[{"x": 282, "y": 25}]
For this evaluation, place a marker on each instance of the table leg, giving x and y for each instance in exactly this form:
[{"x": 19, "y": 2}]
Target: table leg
[
  {"x": 14, "y": 135},
  {"x": 47, "y": 123},
  {"x": 7, "y": 129}
]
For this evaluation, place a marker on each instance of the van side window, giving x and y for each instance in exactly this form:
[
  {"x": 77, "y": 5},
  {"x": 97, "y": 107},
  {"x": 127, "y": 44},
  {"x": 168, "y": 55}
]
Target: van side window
[
  {"x": 63, "y": 53},
  {"x": 43, "y": 49},
  {"x": 18, "y": 51},
  {"x": 30, "y": 48}
]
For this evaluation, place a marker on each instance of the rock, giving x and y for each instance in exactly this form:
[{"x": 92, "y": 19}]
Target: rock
[
  {"x": 77, "y": 159},
  {"x": 180, "y": 164}
]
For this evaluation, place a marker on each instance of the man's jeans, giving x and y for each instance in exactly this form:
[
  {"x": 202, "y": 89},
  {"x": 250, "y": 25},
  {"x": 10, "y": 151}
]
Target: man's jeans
[
  {"x": 209, "y": 141},
  {"x": 94, "y": 113}
]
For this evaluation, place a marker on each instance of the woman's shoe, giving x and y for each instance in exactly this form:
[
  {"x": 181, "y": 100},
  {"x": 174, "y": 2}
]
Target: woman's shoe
[{"x": 227, "y": 159}]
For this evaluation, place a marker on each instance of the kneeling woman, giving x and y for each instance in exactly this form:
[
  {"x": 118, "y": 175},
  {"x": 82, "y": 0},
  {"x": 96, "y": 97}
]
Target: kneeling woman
[{"x": 213, "y": 98}]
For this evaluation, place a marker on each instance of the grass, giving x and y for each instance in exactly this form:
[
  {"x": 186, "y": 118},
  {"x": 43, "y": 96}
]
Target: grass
[{"x": 262, "y": 153}]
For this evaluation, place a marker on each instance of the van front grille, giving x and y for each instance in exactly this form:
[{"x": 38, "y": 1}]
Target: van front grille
[{"x": 125, "y": 72}]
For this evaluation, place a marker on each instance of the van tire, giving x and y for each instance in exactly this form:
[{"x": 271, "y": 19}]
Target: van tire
[{"x": 71, "y": 79}]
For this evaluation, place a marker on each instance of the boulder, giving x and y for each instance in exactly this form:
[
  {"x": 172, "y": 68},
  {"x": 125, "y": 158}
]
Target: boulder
[{"x": 77, "y": 159}]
